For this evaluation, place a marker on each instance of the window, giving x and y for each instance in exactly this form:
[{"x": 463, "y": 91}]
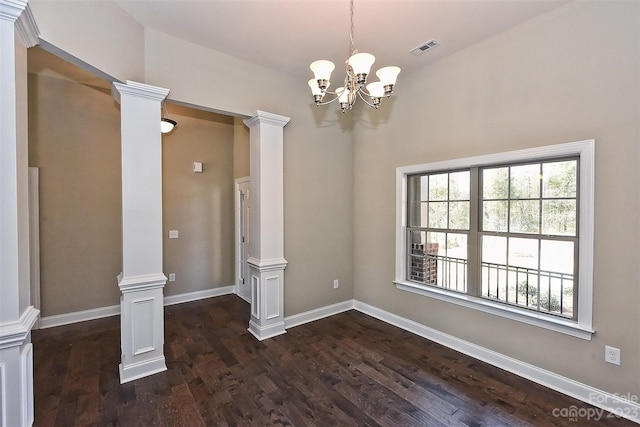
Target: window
[
  {"x": 438, "y": 210},
  {"x": 509, "y": 233}
]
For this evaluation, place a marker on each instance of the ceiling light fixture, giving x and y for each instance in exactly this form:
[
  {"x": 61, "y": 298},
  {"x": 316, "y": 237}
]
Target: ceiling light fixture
[
  {"x": 357, "y": 68},
  {"x": 166, "y": 124}
]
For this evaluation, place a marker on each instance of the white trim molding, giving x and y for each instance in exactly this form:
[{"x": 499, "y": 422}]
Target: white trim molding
[
  {"x": 14, "y": 334},
  {"x": 27, "y": 28},
  {"x": 614, "y": 403},
  {"x": 79, "y": 316},
  {"x": 198, "y": 295},
  {"x": 318, "y": 313},
  {"x": 583, "y": 327},
  {"x": 114, "y": 310}
]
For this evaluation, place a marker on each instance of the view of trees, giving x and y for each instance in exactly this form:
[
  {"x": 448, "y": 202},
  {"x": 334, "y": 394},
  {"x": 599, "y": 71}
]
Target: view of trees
[{"x": 537, "y": 199}]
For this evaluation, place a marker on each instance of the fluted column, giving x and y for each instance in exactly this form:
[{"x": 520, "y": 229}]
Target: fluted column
[
  {"x": 266, "y": 253},
  {"x": 142, "y": 280},
  {"x": 17, "y": 316}
]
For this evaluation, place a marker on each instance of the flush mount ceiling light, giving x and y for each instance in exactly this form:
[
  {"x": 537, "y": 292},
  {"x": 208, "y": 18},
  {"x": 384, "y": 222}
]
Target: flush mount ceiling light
[
  {"x": 357, "y": 68},
  {"x": 166, "y": 124}
]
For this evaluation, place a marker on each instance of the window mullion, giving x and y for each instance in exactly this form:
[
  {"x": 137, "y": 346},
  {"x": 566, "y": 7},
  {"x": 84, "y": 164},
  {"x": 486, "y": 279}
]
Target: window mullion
[{"x": 474, "y": 283}]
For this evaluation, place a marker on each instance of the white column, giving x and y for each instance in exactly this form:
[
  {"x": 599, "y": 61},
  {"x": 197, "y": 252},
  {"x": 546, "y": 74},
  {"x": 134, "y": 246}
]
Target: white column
[
  {"x": 17, "y": 315},
  {"x": 142, "y": 280},
  {"x": 266, "y": 253}
]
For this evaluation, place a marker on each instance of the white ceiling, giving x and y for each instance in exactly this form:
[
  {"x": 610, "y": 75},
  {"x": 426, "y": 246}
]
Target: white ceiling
[{"x": 289, "y": 34}]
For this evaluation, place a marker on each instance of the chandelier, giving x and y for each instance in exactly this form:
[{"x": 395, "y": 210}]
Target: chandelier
[{"x": 357, "y": 69}]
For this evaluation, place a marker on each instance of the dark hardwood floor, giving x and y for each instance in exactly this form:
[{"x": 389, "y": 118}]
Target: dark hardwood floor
[{"x": 346, "y": 370}]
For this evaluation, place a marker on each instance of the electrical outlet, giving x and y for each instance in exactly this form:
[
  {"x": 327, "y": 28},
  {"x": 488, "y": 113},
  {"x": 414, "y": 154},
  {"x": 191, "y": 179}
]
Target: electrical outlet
[
  {"x": 172, "y": 277},
  {"x": 612, "y": 355},
  {"x": 336, "y": 284}
]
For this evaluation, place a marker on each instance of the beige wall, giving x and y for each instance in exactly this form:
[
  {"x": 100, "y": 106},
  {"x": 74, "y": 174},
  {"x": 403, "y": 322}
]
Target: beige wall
[
  {"x": 199, "y": 205},
  {"x": 74, "y": 138},
  {"x": 318, "y": 158},
  {"x": 568, "y": 75},
  {"x": 96, "y": 33}
]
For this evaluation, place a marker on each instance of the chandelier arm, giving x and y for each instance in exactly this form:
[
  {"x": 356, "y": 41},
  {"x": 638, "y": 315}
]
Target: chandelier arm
[
  {"x": 328, "y": 102},
  {"x": 364, "y": 100}
]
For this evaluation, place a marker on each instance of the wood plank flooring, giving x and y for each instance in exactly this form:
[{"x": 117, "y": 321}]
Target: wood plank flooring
[{"x": 346, "y": 370}]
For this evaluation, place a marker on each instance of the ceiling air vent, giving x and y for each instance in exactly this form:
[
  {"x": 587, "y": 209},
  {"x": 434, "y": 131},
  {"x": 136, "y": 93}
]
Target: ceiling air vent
[{"x": 424, "y": 47}]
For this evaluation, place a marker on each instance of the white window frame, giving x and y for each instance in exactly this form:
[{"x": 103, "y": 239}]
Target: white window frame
[{"x": 582, "y": 328}]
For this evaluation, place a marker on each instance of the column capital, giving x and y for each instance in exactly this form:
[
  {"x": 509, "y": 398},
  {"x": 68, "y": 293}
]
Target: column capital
[
  {"x": 10, "y": 10},
  {"x": 140, "y": 90},
  {"x": 268, "y": 118},
  {"x": 28, "y": 29}
]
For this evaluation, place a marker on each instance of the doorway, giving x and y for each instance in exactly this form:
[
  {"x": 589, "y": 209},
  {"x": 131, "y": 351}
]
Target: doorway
[{"x": 243, "y": 238}]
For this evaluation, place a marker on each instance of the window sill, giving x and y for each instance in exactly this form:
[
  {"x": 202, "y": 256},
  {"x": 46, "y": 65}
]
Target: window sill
[{"x": 525, "y": 316}]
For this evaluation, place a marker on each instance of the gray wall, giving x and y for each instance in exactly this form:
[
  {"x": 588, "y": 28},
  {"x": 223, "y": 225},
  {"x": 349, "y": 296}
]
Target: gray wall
[
  {"x": 199, "y": 205},
  {"x": 74, "y": 138},
  {"x": 568, "y": 75}
]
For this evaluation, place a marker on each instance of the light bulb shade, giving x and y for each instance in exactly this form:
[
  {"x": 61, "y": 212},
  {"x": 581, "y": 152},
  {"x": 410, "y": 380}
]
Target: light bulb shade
[
  {"x": 388, "y": 75},
  {"x": 361, "y": 63},
  {"x": 315, "y": 89},
  {"x": 376, "y": 89},
  {"x": 167, "y": 125},
  {"x": 343, "y": 94},
  {"x": 322, "y": 69}
]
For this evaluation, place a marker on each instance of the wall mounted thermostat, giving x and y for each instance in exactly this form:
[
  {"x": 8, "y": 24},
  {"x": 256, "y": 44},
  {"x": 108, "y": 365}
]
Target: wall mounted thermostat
[{"x": 197, "y": 167}]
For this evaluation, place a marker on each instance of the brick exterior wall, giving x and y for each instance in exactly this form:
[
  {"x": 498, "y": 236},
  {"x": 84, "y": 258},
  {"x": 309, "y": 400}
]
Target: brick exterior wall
[{"x": 425, "y": 269}]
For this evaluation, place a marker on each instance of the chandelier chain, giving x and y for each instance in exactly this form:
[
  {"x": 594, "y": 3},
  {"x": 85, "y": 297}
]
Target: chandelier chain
[
  {"x": 351, "y": 31},
  {"x": 357, "y": 67}
]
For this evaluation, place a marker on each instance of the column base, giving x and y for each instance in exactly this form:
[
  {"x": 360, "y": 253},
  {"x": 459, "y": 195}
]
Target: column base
[
  {"x": 141, "y": 369},
  {"x": 141, "y": 326},
  {"x": 262, "y": 333}
]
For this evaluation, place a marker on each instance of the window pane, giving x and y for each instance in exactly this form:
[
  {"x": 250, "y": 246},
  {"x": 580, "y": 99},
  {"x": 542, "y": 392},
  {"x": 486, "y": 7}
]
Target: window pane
[
  {"x": 424, "y": 187},
  {"x": 525, "y": 216},
  {"x": 559, "y": 217},
  {"x": 416, "y": 211},
  {"x": 494, "y": 249},
  {"x": 494, "y": 216},
  {"x": 494, "y": 273},
  {"x": 495, "y": 183},
  {"x": 523, "y": 253},
  {"x": 457, "y": 245},
  {"x": 556, "y": 257},
  {"x": 459, "y": 185},
  {"x": 452, "y": 269},
  {"x": 525, "y": 181},
  {"x": 559, "y": 179},
  {"x": 459, "y": 215},
  {"x": 438, "y": 186},
  {"x": 438, "y": 215}
]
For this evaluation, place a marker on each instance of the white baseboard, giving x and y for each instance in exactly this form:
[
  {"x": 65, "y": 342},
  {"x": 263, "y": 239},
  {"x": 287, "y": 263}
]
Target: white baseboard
[
  {"x": 114, "y": 310},
  {"x": 317, "y": 314},
  {"x": 194, "y": 296},
  {"x": 78, "y": 316},
  {"x": 623, "y": 406}
]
